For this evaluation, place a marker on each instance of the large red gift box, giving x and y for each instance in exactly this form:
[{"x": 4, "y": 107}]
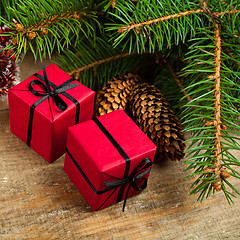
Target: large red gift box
[
  {"x": 42, "y": 107},
  {"x": 108, "y": 159}
]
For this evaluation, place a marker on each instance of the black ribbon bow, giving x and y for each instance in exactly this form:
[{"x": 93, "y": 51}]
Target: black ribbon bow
[
  {"x": 47, "y": 92},
  {"x": 138, "y": 173},
  {"x": 45, "y": 84}
]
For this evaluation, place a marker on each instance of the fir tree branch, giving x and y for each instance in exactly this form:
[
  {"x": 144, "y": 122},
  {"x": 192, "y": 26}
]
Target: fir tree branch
[
  {"x": 235, "y": 11},
  {"x": 161, "y": 19},
  {"x": 217, "y": 105},
  {"x": 93, "y": 64},
  {"x": 168, "y": 23},
  {"x": 212, "y": 136},
  {"x": 42, "y": 25},
  {"x": 177, "y": 15}
]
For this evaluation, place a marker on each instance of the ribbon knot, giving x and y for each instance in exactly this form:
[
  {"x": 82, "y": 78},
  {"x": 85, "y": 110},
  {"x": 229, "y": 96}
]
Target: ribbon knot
[
  {"x": 52, "y": 93},
  {"x": 48, "y": 92},
  {"x": 132, "y": 179},
  {"x": 142, "y": 169}
]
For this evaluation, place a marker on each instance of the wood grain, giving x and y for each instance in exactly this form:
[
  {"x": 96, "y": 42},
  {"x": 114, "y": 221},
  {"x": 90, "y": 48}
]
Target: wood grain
[{"x": 38, "y": 201}]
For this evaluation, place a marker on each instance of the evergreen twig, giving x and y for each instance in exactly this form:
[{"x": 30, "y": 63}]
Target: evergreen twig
[
  {"x": 78, "y": 61},
  {"x": 41, "y": 26},
  {"x": 176, "y": 15},
  {"x": 235, "y": 11},
  {"x": 93, "y": 64},
  {"x": 165, "y": 18},
  {"x": 217, "y": 105}
]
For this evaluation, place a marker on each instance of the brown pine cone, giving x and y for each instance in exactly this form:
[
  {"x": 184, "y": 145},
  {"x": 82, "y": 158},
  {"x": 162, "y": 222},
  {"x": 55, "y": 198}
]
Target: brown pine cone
[{"x": 151, "y": 112}]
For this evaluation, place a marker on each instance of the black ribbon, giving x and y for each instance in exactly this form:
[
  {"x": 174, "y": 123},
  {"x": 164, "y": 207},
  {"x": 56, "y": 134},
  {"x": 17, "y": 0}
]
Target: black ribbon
[
  {"x": 47, "y": 92},
  {"x": 121, "y": 152},
  {"x": 137, "y": 175}
]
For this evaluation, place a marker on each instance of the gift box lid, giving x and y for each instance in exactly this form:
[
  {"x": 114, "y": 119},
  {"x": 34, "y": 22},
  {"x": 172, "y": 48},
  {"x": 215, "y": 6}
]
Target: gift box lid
[{"x": 48, "y": 107}]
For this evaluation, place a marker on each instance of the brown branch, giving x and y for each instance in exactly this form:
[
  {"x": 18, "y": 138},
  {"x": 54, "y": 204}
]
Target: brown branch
[
  {"x": 218, "y": 14},
  {"x": 58, "y": 18},
  {"x": 177, "y": 15},
  {"x": 93, "y": 64},
  {"x": 30, "y": 31},
  {"x": 217, "y": 105},
  {"x": 114, "y": 3}
]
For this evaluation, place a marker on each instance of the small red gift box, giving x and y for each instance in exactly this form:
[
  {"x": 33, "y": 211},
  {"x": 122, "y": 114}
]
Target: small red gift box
[
  {"x": 108, "y": 159},
  {"x": 42, "y": 107}
]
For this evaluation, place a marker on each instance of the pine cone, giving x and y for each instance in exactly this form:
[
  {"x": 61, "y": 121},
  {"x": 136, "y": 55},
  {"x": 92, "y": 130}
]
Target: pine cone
[
  {"x": 115, "y": 94},
  {"x": 152, "y": 114}
]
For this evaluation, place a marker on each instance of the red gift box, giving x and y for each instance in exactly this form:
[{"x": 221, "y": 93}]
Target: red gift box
[
  {"x": 42, "y": 107},
  {"x": 108, "y": 159}
]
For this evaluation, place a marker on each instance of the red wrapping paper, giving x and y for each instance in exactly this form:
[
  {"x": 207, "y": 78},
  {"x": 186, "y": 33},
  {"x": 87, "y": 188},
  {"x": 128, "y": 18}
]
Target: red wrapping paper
[
  {"x": 99, "y": 159},
  {"x": 49, "y": 126}
]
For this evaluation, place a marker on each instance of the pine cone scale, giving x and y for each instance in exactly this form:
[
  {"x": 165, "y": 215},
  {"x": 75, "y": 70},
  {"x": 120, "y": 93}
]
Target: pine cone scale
[{"x": 116, "y": 93}]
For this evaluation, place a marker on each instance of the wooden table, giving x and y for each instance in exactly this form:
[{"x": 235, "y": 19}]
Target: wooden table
[{"x": 38, "y": 201}]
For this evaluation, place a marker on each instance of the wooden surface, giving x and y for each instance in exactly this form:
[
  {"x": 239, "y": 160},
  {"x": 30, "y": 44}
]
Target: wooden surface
[{"x": 38, "y": 201}]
